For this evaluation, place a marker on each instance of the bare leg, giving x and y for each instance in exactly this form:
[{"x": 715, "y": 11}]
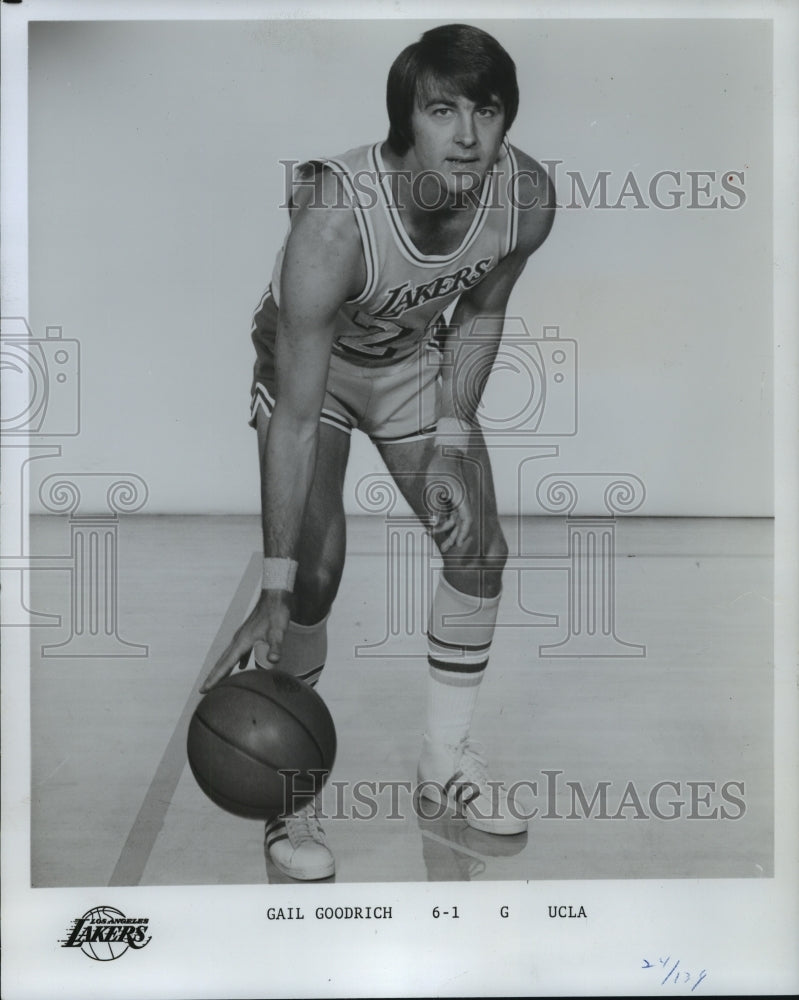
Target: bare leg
[
  {"x": 459, "y": 635},
  {"x": 475, "y": 567}
]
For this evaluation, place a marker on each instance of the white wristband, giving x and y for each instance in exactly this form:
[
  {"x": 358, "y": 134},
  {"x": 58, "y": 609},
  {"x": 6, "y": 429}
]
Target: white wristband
[{"x": 279, "y": 574}]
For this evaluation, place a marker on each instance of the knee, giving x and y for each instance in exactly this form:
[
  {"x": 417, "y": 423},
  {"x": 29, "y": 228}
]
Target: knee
[
  {"x": 314, "y": 592},
  {"x": 476, "y": 566},
  {"x": 496, "y": 549},
  {"x": 486, "y": 549}
]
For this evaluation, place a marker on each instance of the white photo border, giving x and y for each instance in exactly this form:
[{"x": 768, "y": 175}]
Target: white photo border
[{"x": 213, "y": 941}]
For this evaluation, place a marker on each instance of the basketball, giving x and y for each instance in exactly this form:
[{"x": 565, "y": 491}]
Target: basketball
[{"x": 261, "y": 743}]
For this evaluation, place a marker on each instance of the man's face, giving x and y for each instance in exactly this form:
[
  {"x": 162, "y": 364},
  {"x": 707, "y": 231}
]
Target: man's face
[{"x": 456, "y": 138}]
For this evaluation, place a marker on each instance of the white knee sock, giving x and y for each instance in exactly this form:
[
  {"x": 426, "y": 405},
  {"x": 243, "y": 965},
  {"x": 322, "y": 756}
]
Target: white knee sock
[{"x": 459, "y": 638}]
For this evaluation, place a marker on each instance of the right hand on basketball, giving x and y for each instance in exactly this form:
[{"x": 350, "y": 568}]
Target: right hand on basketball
[{"x": 267, "y": 622}]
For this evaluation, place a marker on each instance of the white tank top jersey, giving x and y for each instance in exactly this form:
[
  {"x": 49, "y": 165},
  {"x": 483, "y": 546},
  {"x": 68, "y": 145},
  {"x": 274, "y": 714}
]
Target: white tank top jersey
[{"x": 407, "y": 291}]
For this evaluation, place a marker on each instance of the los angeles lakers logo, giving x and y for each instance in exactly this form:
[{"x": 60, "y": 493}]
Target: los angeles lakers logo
[
  {"x": 407, "y": 296},
  {"x": 104, "y": 933}
]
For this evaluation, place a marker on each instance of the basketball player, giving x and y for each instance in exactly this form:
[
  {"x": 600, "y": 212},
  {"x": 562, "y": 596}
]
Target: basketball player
[{"x": 350, "y": 335}]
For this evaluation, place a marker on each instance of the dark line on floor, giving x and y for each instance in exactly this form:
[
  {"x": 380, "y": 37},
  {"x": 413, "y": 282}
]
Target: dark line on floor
[{"x": 150, "y": 819}]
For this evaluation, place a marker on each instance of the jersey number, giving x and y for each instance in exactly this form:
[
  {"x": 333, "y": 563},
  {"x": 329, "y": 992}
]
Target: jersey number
[{"x": 379, "y": 336}]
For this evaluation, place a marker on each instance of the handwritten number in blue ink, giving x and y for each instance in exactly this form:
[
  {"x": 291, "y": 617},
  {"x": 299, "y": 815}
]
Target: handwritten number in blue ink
[
  {"x": 674, "y": 972},
  {"x": 668, "y": 976}
]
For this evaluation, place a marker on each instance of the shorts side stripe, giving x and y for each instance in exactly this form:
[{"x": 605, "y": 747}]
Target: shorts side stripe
[
  {"x": 262, "y": 399},
  {"x": 267, "y": 295}
]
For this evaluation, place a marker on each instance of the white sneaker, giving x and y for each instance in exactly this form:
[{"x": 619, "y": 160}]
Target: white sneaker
[
  {"x": 297, "y": 846},
  {"x": 457, "y": 777}
]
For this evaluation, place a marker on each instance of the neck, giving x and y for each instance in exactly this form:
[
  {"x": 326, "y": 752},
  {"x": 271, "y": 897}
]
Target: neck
[{"x": 421, "y": 197}]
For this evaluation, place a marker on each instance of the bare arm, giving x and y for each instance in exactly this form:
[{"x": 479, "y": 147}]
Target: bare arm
[
  {"x": 320, "y": 271},
  {"x": 471, "y": 344},
  {"x": 475, "y": 347},
  {"x": 322, "y": 268}
]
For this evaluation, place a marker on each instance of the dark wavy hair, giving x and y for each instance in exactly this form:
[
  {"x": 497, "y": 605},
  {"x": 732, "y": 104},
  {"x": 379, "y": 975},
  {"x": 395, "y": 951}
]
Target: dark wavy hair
[{"x": 461, "y": 60}]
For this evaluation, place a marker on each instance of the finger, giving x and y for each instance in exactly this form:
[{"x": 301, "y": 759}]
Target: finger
[
  {"x": 218, "y": 673},
  {"x": 447, "y": 525},
  {"x": 235, "y": 652},
  {"x": 464, "y": 527},
  {"x": 275, "y": 643},
  {"x": 447, "y": 543}
]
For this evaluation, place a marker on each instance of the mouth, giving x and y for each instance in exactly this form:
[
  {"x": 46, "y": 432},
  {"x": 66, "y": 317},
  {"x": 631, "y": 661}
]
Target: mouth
[{"x": 463, "y": 160}]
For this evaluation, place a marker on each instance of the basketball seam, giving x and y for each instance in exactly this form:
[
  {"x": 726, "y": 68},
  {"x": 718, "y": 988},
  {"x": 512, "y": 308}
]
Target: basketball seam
[
  {"x": 245, "y": 752},
  {"x": 297, "y": 719},
  {"x": 286, "y": 709}
]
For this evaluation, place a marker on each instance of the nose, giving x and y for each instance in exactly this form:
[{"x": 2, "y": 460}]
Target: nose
[{"x": 466, "y": 132}]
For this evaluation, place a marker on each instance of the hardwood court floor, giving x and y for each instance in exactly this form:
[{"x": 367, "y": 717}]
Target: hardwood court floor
[{"x": 113, "y": 801}]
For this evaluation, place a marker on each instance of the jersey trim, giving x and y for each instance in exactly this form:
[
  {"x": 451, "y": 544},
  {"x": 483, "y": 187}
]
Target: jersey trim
[
  {"x": 513, "y": 214},
  {"x": 401, "y": 238},
  {"x": 267, "y": 294},
  {"x": 368, "y": 241}
]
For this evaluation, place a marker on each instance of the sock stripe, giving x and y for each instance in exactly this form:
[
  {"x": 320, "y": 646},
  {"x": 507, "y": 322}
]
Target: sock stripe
[
  {"x": 459, "y": 633},
  {"x": 466, "y": 646},
  {"x": 450, "y": 679},
  {"x": 311, "y": 676},
  {"x": 457, "y": 668},
  {"x": 457, "y": 657}
]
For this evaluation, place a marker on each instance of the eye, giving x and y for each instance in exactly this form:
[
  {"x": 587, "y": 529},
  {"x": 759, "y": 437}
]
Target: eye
[
  {"x": 442, "y": 112},
  {"x": 488, "y": 112}
]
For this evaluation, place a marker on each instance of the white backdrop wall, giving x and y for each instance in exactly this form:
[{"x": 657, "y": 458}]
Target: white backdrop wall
[{"x": 155, "y": 213}]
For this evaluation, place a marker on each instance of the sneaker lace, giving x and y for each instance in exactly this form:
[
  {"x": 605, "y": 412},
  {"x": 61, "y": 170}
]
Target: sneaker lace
[
  {"x": 472, "y": 763},
  {"x": 304, "y": 825},
  {"x": 474, "y": 770}
]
